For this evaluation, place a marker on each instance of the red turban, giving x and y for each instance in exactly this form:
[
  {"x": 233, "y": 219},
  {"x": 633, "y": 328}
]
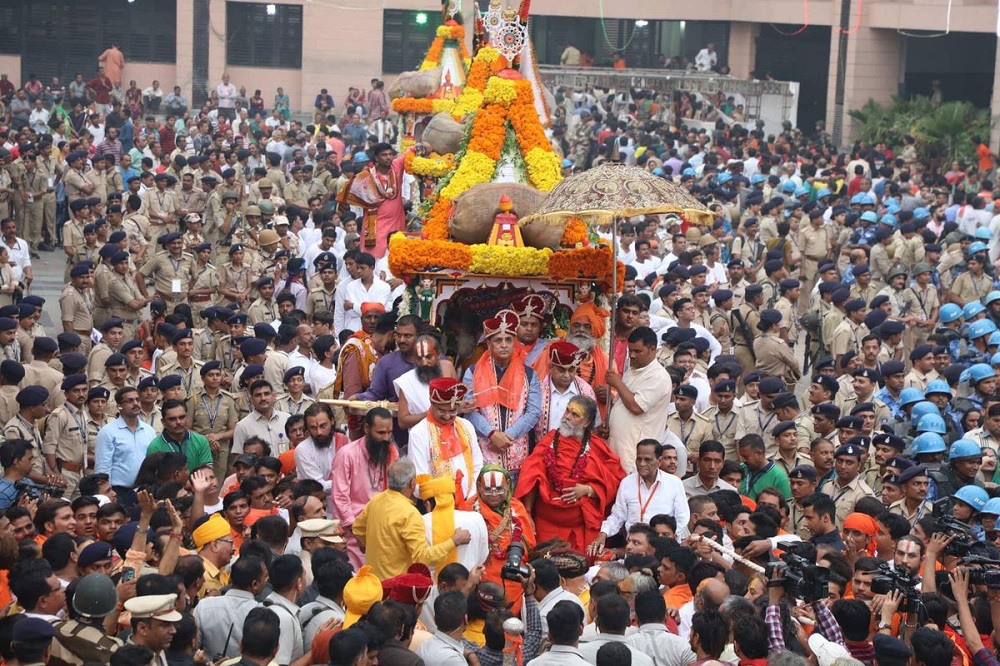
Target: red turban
[
  {"x": 447, "y": 390},
  {"x": 565, "y": 354},
  {"x": 506, "y": 321}
]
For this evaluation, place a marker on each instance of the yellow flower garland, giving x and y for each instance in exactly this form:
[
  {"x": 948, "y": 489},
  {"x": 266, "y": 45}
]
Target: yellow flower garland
[
  {"x": 474, "y": 169},
  {"x": 500, "y": 91},
  {"x": 500, "y": 260}
]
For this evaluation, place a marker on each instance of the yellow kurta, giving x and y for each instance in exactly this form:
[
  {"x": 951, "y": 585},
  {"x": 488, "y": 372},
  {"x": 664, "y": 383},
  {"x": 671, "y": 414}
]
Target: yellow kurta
[{"x": 394, "y": 536}]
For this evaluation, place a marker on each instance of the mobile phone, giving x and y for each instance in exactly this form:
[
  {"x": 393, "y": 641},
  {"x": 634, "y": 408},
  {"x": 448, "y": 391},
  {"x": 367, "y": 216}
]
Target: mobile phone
[{"x": 127, "y": 574}]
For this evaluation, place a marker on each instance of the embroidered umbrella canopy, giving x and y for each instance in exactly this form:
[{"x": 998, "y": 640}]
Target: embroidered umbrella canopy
[
  {"x": 609, "y": 193},
  {"x": 614, "y": 191}
]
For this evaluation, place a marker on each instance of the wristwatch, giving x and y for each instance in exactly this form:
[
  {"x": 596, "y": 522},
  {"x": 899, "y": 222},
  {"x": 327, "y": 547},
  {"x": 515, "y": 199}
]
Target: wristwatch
[{"x": 882, "y": 624}]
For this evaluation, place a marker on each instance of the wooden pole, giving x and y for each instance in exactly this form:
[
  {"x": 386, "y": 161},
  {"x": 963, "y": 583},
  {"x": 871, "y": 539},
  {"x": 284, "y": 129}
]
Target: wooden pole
[{"x": 614, "y": 304}]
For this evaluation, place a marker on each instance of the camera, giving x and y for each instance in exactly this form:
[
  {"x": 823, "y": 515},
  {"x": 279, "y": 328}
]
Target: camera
[
  {"x": 987, "y": 572},
  {"x": 965, "y": 540},
  {"x": 514, "y": 569},
  {"x": 35, "y": 490},
  {"x": 889, "y": 579},
  {"x": 800, "y": 576}
]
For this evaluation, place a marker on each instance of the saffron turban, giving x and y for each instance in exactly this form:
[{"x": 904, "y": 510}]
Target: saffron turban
[
  {"x": 213, "y": 529},
  {"x": 593, "y": 315}
]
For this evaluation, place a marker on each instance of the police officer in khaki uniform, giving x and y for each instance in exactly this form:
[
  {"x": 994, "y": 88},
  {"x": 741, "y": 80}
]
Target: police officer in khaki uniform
[
  {"x": 691, "y": 428},
  {"x": 38, "y": 372},
  {"x": 743, "y": 324},
  {"x": 184, "y": 364},
  {"x": 161, "y": 207},
  {"x": 75, "y": 180},
  {"x": 264, "y": 309},
  {"x": 134, "y": 354},
  {"x": 102, "y": 277},
  {"x": 226, "y": 352},
  {"x": 115, "y": 374},
  {"x": 816, "y": 244},
  {"x": 722, "y": 417},
  {"x": 32, "y": 406},
  {"x": 774, "y": 356},
  {"x": 757, "y": 417},
  {"x": 214, "y": 414},
  {"x": 293, "y": 400},
  {"x": 76, "y": 305},
  {"x": 126, "y": 301},
  {"x": 113, "y": 332},
  {"x": 848, "y": 334},
  {"x": 97, "y": 417},
  {"x": 65, "y": 444},
  {"x": 848, "y": 486},
  {"x": 149, "y": 403},
  {"x": 914, "y": 505},
  {"x": 323, "y": 298},
  {"x": 33, "y": 187},
  {"x": 788, "y": 328},
  {"x": 205, "y": 287},
  {"x": 802, "y": 480},
  {"x": 172, "y": 272}
]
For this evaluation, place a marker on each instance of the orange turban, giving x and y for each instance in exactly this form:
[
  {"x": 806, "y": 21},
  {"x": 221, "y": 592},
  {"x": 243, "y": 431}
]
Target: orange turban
[
  {"x": 370, "y": 306},
  {"x": 865, "y": 524},
  {"x": 595, "y": 316}
]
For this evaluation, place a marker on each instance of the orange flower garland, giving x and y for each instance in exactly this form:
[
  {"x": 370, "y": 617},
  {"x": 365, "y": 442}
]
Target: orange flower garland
[
  {"x": 412, "y": 105},
  {"x": 488, "y": 131},
  {"x": 575, "y": 234},
  {"x": 586, "y": 262},
  {"x": 408, "y": 255}
]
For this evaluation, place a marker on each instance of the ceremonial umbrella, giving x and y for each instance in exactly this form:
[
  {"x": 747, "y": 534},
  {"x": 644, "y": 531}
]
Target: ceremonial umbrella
[{"x": 612, "y": 192}]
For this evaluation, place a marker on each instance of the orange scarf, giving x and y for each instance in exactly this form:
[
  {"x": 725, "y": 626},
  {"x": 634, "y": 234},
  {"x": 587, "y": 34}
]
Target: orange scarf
[{"x": 508, "y": 392}]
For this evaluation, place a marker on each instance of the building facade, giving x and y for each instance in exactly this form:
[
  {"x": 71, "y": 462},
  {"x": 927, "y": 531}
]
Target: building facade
[{"x": 843, "y": 52}]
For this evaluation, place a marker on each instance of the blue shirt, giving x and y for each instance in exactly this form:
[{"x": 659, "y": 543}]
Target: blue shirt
[
  {"x": 529, "y": 416},
  {"x": 8, "y": 492},
  {"x": 119, "y": 452}
]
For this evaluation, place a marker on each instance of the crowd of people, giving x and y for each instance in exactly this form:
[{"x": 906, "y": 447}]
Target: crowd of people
[{"x": 781, "y": 447}]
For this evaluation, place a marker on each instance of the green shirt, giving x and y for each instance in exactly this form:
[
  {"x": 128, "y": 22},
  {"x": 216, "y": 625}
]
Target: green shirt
[
  {"x": 754, "y": 482},
  {"x": 194, "y": 447}
]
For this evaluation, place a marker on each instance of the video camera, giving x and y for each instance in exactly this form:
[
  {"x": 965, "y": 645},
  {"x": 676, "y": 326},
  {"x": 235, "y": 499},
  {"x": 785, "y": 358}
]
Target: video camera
[
  {"x": 965, "y": 539},
  {"x": 514, "y": 569},
  {"x": 987, "y": 574},
  {"x": 890, "y": 579},
  {"x": 800, "y": 576},
  {"x": 36, "y": 490}
]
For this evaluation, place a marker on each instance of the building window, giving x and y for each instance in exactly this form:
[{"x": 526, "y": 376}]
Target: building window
[
  {"x": 263, "y": 35},
  {"x": 152, "y": 32},
  {"x": 406, "y": 36}
]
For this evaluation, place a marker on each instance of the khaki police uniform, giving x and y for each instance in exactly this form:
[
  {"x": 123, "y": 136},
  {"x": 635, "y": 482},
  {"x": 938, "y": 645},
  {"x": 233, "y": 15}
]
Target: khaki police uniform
[
  {"x": 66, "y": 439},
  {"x": 213, "y": 416},
  {"x": 846, "y": 497},
  {"x": 77, "y": 309},
  {"x": 261, "y": 311},
  {"x": 775, "y": 358},
  {"x": 723, "y": 429},
  {"x": 172, "y": 277},
  {"x": 122, "y": 290}
]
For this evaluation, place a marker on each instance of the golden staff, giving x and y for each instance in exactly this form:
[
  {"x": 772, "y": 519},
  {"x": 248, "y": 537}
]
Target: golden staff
[
  {"x": 365, "y": 405},
  {"x": 753, "y": 566}
]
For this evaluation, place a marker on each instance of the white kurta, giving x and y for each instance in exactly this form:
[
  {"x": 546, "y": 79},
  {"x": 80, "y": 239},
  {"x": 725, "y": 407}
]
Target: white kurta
[
  {"x": 420, "y": 453},
  {"x": 472, "y": 554},
  {"x": 653, "y": 389},
  {"x": 418, "y": 394}
]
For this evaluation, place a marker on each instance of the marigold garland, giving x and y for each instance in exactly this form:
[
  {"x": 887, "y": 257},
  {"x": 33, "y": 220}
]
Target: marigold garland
[
  {"x": 433, "y": 166},
  {"x": 474, "y": 169},
  {"x": 408, "y": 255},
  {"x": 500, "y": 91},
  {"x": 575, "y": 234},
  {"x": 500, "y": 260},
  {"x": 488, "y": 131},
  {"x": 414, "y": 105},
  {"x": 586, "y": 262}
]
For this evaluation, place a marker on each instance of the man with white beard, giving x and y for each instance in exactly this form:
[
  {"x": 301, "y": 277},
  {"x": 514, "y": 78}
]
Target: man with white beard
[
  {"x": 587, "y": 325},
  {"x": 413, "y": 386},
  {"x": 561, "y": 385}
]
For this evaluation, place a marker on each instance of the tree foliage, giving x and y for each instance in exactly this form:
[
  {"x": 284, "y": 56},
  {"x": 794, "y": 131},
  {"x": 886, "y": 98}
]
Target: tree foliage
[{"x": 942, "y": 133}]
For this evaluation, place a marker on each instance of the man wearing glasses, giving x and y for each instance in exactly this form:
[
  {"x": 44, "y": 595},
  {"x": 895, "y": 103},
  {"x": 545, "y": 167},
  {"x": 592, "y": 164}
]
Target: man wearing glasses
[{"x": 122, "y": 444}]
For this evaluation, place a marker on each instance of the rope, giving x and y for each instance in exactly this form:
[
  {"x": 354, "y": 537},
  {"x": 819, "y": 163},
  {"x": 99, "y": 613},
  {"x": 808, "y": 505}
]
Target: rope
[
  {"x": 604, "y": 31},
  {"x": 947, "y": 27},
  {"x": 805, "y": 24}
]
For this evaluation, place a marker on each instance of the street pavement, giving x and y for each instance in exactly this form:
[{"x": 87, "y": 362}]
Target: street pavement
[{"x": 48, "y": 283}]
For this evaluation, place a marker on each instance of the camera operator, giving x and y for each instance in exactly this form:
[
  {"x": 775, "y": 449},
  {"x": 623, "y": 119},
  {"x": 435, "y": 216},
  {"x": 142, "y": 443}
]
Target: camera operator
[
  {"x": 981, "y": 656},
  {"x": 17, "y": 457},
  {"x": 826, "y": 624}
]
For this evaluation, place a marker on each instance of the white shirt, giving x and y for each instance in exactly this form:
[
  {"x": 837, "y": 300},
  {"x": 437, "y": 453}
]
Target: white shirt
[
  {"x": 227, "y": 100},
  {"x": 355, "y": 293},
  {"x": 665, "y": 648},
  {"x": 558, "y": 402},
  {"x": 314, "y": 463},
  {"x": 559, "y": 655},
  {"x": 418, "y": 394},
  {"x": 716, "y": 275},
  {"x": 442, "y": 650},
  {"x": 589, "y": 649},
  {"x": 420, "y": 453},
  {"x": 318, "y": 377},
  {"x": 667, "y": 496},
  {"x": 20, "y": 257},
  {"x": 551, "y": 599},
  {"x": 270, "y": 430},
  {"x": 314, "y": 614},
  {"x": 472, "y": 554},
  {"x": 644, "y": 268},
  {"x": 39, "y": 120},
  {"x": 290, "y": 646},
  {"x": 220, "y": 621},
  {"x": 705, "y": 60}
]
